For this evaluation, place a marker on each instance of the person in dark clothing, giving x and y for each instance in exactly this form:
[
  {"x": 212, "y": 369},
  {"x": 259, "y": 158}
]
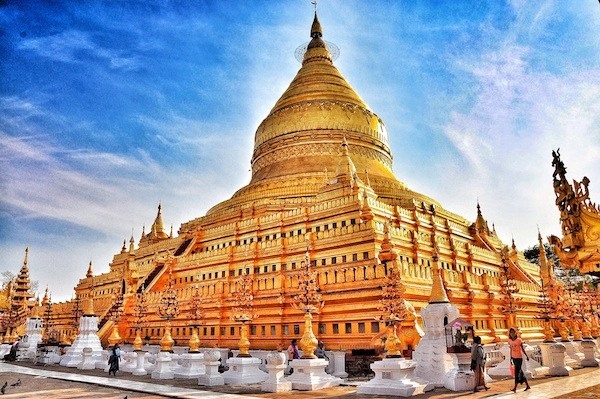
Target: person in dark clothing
[
  {"x": 113, "y": 360},
  {"x": 478, "y": 364}
]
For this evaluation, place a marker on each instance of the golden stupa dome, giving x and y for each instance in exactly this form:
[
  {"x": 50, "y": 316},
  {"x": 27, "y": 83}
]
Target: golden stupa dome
[{"x": 300, "y": 142}]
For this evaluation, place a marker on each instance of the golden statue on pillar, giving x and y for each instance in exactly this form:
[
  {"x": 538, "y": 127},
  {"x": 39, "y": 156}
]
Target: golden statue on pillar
[
  {"x": 196, "y": 316},
  {"x": 116, "y": 311},
  {"x": 168, "y": 309},
  {"x": 139, "y": 317},
  {"x": 511, "y": 304},
  {"x": 547, "y": 310},
  {"x": 242, "y": 312},
  {"x": 392, "y": 303},
  {"x": 309, "y": 301}
]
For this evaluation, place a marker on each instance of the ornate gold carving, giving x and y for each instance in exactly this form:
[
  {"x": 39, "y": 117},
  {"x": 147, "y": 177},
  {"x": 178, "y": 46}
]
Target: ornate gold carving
[{"x": 579, "y": 246}]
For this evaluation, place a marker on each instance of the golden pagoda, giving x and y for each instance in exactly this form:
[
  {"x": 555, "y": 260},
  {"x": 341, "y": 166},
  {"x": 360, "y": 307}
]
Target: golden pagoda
[{"x": 322, "y": 182}]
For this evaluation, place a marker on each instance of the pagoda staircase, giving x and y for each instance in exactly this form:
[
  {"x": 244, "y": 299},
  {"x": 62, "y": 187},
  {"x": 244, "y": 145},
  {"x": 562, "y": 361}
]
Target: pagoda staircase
[
  {"x": 105, "y": 324},
  {"x": 151, "y": 278}
]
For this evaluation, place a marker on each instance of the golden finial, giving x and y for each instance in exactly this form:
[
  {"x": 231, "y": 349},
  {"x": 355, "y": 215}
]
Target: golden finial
[
  {"x": 26, "y": 256},
  {"x": 438, "y": 292},
  {"x": 131, "y": 243},
  {"x": 88, "y": 307},
  {"x": 89, "y": 273}
]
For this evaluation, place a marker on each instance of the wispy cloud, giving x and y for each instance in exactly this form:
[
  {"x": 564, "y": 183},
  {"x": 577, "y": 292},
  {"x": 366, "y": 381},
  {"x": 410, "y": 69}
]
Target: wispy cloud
[{"x": 73, "y": 46}]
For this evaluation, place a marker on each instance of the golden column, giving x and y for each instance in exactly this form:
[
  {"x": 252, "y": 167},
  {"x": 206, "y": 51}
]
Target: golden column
[
  {"x": 508, "y": 289},
  {"x": 47, "y": 316},
  {"x": 309, "y": 301},
  {"x": 392, "y": 304},
  {"x": 196, "y": 316},
  {"x": 139, "y": 317},
  {"x": 593, "y": 301},
  {"x": 168, "y": 308},
  {"x": 575, "y": 311},
  {"x": 393, "y": 308},
  {"x": 242, "y": 312},
  {"x": 116, "y": 311},
  {"x": 77, "y": 311},
  {"x": 547, "y": 309}
]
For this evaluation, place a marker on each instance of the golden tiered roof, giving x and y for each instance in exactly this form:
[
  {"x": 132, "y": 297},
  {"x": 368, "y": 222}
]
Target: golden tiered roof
[{"x": 300, "y": 140}]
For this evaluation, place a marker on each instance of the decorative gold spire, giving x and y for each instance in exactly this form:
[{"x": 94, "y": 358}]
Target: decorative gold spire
[
  {"x": 45, "y": 299},
  {"x": 479, "y": 221},
  {"x": 88, "y": 306},
  {"x": 157, "y": 227},
  {"x": 387, "y": 253},
  {"x": 26, "y": 257},
  {"x": 131, "y": 244},
  {"x": 438, "y": 292},
  {"x": 89, "y": 273},
  {"x": 316, "y": 30}
]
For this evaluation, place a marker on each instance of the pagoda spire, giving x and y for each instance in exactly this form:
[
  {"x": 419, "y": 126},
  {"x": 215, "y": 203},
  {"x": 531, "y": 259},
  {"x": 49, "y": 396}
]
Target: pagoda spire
[
  {"x": 25, "y": 260},
  {"x": 22, "y": 284},
  {"x": 315, "y": 30},
  {"x": 89, "y": 273},
  {"x": 131, "y": 244},
  {"x": 158, "y": 230},
  {"x": 438, "y": 292},
  {"x": 45, "y": 299},
  {"x": 347, "y": 166}
]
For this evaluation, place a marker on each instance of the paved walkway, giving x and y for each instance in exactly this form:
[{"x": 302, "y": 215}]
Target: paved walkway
[{"x": 37, "y": 382}]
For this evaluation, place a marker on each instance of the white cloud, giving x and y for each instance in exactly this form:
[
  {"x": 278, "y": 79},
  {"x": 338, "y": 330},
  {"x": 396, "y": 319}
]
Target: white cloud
[{"x": 69, "y": 46}]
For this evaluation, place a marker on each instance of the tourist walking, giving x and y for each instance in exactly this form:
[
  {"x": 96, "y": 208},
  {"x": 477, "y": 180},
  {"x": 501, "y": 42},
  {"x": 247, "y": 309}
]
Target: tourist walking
[
  {"x": 113, "y": 360},
  {"x": 478, "y": 364},
  {"x": 517, "y": 350}
]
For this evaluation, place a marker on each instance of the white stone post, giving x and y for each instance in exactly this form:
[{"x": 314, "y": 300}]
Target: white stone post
[
  {"x": 211, "y": 377},
  {"x": 276, "y": 364},
  {"x": 339, "y": 365},
  {"x": 502, "y": 369},
  {"x": 129, "y": 362},
  {"x": 141, "y": 359},
  {"x": 460, "y": 378},
  {"x": 557, "y": 360},
  {"x": 162, "y": 370},
  {"x": 88, "y": 362},
  {"x": 589, "y": 356},
  {"x": 191, "y": 366}
]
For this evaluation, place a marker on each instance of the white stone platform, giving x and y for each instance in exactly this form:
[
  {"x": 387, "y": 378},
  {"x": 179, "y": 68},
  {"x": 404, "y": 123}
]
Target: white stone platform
[
  {"x": 244, "y": 370},
  {"x": 310, "y": 375},
  {"x": 394, "y": 376},
  {"x": 191, "y": 365}
]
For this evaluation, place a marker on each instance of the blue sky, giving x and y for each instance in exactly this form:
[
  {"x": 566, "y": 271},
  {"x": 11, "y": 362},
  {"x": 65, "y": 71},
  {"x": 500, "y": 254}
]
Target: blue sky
[{"x": 108, "y": 107}]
